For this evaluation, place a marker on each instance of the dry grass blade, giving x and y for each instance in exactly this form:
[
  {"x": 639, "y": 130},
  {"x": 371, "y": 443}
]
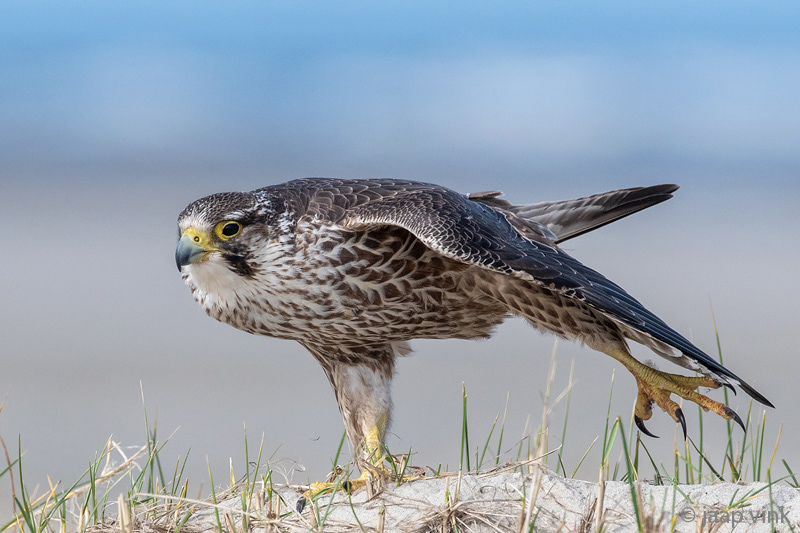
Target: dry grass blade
[{"x": 526, "y": 523}]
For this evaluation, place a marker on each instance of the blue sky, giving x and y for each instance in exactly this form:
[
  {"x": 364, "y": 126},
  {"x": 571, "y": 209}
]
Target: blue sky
[
  {"x": 114, "y": 116},
  {"x": 264, "y": 83}
]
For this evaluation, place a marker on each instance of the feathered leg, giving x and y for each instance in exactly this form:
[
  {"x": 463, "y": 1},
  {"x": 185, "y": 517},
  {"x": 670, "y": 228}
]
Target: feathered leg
[
  {"x": 363, "y": 392},
  {"x": 364, "y": 397}
]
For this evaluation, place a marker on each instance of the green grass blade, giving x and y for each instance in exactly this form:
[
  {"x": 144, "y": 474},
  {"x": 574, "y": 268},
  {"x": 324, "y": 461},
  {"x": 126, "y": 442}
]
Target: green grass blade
[
  {"x": 632, "y": 478},
  {"x": 464, "y": 432},
  {"x": 486, "y": 444}
]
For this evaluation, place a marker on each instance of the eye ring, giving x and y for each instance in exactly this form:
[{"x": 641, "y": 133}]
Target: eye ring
[{"x": 227, "y": 229}]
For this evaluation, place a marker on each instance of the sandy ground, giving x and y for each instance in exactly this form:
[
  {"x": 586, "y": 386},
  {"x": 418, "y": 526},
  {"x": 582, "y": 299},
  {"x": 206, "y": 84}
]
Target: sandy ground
[{"x": 494, "y": 502}]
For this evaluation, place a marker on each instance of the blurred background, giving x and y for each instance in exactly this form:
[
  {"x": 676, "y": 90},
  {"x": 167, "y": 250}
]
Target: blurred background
[{"x": 114, "y": 116}]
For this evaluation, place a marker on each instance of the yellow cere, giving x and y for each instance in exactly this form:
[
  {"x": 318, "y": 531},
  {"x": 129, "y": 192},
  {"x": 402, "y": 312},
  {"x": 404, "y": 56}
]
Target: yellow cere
[{"x": 200, "y": 238}]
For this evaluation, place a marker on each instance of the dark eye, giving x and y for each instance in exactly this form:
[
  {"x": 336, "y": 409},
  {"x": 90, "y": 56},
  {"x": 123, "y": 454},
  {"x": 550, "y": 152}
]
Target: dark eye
[
  {"x": 227, "y": 229},
  {"x": 230, "y": 229}
]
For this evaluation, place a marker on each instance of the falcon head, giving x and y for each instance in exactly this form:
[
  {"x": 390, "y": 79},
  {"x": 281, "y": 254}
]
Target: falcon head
[
  {"x": 234, "y": 252},
  {"x": 230, "y": 230}
]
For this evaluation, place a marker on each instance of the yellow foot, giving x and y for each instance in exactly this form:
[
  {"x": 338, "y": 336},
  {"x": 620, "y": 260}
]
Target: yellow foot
[
  {"x": 372, "y": 469},
  {"x": 349, "y": 486},
  {"x": 375, "y": 475},
  {"x": 657, "y": 387}
]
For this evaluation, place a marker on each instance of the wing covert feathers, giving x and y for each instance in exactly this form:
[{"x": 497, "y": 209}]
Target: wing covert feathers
[{"x": 476, "y": 233}]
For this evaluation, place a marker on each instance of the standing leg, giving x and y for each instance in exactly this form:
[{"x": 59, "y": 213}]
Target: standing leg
[
  {"x": 363, "y": 393},
  {"x": 362, "y": 383}
]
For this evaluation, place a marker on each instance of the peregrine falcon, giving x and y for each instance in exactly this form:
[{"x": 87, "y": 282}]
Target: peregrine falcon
[{"x": 354, "y": 269}]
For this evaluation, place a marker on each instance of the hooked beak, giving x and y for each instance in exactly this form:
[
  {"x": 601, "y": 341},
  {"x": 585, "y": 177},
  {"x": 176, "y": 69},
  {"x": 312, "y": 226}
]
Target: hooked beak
[{"x": 193, "y": 247}]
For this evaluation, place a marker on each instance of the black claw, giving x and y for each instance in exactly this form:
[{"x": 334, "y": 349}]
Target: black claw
[
  {"x": 347, "y": 486},
  {"x": 682, "y": 420},
  {"x": 736, "y": 419},
  {"x": 731, "y": 387},
  {"x": 301, "y": 504},
  {"x": 640, "y": 424}
]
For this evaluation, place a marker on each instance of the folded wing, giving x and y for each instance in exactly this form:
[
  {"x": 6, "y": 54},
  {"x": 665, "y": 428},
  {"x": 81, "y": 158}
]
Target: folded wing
[{"x": 474, "y": 232}]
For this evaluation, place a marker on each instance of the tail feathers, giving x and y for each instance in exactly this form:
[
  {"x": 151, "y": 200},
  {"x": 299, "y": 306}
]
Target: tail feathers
[{"x": 571, "y": 218}]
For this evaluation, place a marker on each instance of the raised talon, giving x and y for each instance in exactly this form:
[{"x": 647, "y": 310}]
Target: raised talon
[
  {"x": 682, "y": 420},
  {"x": 640, "y": 424},
  {"x": 735, "y": 418},
  {"x": 658, "y": 387}
]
